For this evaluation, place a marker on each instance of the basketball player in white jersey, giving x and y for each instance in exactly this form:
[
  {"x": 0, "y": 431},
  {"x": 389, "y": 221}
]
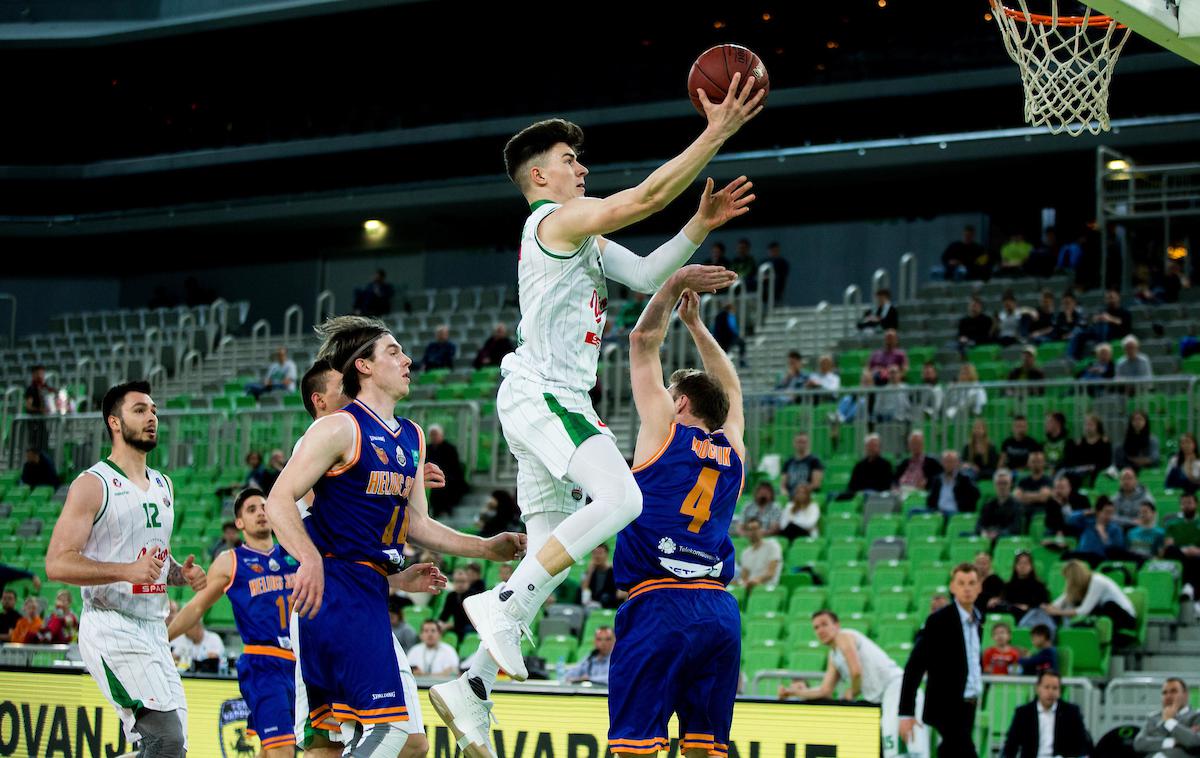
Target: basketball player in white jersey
[
  {"x": 543, "y": 403},
  {"x": 113, "y": 539},
  {"x": 870, "y": 674}
]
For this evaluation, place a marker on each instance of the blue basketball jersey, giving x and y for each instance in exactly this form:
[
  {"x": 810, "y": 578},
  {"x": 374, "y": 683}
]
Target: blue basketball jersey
[
  {"x": 360, "y": 509},
  {"x": 689, "y": 493},
  {"x": 259, "y": 589}
]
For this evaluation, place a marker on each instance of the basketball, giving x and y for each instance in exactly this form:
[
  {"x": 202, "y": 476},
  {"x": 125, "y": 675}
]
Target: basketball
[{"x": 714, "y": 70}]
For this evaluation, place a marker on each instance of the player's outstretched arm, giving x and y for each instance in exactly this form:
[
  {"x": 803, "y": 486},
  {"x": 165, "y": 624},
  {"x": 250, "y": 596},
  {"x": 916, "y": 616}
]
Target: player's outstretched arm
[
  {"x": 719, "y": 367},
  {"x": 65, "y": 561},
  {"x": 581, "y": 218},
  {"x": 649, "y": 273},
  {"x": 218, "y": 577},
  {"x": 656, "y": 409}
]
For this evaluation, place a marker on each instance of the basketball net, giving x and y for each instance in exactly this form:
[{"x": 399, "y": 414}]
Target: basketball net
[{"x": 1066, "y": 64}]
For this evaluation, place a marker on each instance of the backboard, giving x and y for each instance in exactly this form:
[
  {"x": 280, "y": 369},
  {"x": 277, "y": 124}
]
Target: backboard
[{"x": 1174, "y": 24}]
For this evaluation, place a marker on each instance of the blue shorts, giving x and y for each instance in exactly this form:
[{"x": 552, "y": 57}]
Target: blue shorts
[
  {"x": 678, "y": 651},
  {"x": 268, "y": 686},
  {"x": 348, "y": 654}
]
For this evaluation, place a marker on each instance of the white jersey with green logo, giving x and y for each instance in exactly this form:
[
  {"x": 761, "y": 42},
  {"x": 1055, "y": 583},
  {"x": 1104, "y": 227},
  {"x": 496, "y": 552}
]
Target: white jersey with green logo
[
  {"x": 130, "y": 522},
  {"x": 563, "y": 297}
]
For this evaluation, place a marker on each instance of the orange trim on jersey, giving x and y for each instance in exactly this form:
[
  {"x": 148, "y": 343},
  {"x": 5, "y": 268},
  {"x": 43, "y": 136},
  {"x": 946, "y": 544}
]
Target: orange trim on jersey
[
  {"x": 695, "y": 737},
  {"x": 658, "y": 454},
  {"x": 670, "y": 583},
  {"x": 343, "y": 712},
  {"x": 232, "y": 574},
  {"x": 281, "y": 741},
  {"x": 368, "y": 564},
  {"x": 379, "y": 419},
  {"x": 639, "y": 747},
  {"x": 339, "y": 470},
  {"x": 274, "y": 652}
]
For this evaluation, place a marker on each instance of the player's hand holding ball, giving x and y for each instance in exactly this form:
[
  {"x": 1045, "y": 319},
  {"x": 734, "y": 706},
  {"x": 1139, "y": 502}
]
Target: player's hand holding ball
[
  {"x": 719, "y": 208},
  {"x": 504, "y": 547},
  {"x": 689, "y": 309},
  {"x": 728, "y": 102},
  {"x": 309, "y": 587},
  {"x": 193, "y": 574},
  {"x": 146, "y": 569}
]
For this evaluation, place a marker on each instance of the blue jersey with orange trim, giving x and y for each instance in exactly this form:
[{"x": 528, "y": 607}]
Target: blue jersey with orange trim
[
  {"x": 360, "y": 508},
  {"x": 689, "y": 493},
  {"x": 258, "y": 589}
]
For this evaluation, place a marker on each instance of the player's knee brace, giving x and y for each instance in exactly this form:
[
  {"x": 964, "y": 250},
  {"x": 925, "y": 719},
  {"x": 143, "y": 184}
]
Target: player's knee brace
[
  {"x": 385, "y": 740},
  {"x": 162, "y": 734}
]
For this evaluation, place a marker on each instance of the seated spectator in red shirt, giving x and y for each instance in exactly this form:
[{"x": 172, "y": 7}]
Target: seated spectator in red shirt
[
  {"x": 60, "y": 628},
  {"x": 1001, "y": 657},
  {"x": 919, "y": 469},
  {"x": 889, "y": 355}
]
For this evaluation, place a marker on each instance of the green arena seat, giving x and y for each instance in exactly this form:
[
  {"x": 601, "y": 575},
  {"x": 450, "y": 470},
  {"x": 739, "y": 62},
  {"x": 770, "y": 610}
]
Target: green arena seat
[
  {"x": 838, "y": 527},
  {"x": 805, "y": 601},
  {"x": 766, "y": 598},
  {"x": 889, "y": 574},
  {"x": 926, "y": 549},
  {"x": 1162, "y": 593},
  {"x": 844, "y": 550},
  {"x": 846, "y": 577},
  {"x": 892, "y": 600},
  {"x": 960, "y": 524},
  {"x": 761, "y": 659},
  {"x": 814, "y": 658},
  {"x": 1090, "y": 659},
  {"x": 221, "y": 614},
  {"x": 560, "y": 647},
  {"x": 963, "y": 549},
  {"x": 883, "y": 526},
  {"x": 899, "y": 652},
  {"x": 896, "y": 630},
  {"x": 803, "y": 552},
  {"x": 758, "y": 630},
  {"x": 849, "y": 600},
  {"x": 923, "y": 526}
]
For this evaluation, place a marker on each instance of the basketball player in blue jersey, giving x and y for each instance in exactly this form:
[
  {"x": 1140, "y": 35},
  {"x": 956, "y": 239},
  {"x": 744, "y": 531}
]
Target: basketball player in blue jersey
[
  {"x": 364, "y": 465},
  {"x": 257, "y": 576},
  {"x": 679, "y": 634}
]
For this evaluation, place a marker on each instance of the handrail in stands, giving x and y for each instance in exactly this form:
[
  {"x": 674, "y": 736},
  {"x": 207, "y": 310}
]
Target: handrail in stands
[
  {"x": 12, "y": 318},
  {"x": 324, "y": 307},
  {"x": 293, "y": 324},
  {"x": 851, "y": 296},
  {"x": 908, "y": 277},
  {"x": 156, "y": 375},
  {"x": 10, "y": 407},
  {"x": 118, "y": 363},
  {"x": 226, "y": 357},
  {"x": 152, "y": 348},
  {"x": 260, "y": 331},
  {"x": 765, "y": 302},
  {"x": 188, "y": 370},
  {"x": 217, "y": 323},
  {"x": 86, "y": 372},
  {"x": 881, "y": 279},
  {"x": 185, "y": 328}
]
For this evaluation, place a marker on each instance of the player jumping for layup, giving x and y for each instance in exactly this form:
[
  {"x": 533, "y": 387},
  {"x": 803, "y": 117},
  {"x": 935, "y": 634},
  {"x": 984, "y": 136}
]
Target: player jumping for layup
[
  {"x": 365, "y": 466},
  {"x": 113, "y": 538},
  {"x": 679, "y": 633},
  {"x": 543, "y": 404}
]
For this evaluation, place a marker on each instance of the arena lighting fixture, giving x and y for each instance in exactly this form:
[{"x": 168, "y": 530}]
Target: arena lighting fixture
[
  {"x": 375, "y": 229},
  {"x": 1117, "y": 165},
  {"x": 1177, "y": 252}
]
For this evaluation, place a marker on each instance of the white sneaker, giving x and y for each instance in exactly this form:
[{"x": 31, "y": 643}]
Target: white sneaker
[
  {"x": 499, "y": 630},
  {"x": 468, "y": 717}
]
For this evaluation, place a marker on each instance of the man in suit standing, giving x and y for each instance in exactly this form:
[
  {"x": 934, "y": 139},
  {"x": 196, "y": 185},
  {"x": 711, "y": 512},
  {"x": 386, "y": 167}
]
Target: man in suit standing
[
  {"x": 1172, "y": 732},
  {"x": 1047, "y": 727},
  {"x": 948, "y": 649}
]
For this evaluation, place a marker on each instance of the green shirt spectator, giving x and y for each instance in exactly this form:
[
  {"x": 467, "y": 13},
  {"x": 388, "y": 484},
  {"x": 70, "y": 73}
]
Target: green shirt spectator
[{"x": 1015, "y": 252}]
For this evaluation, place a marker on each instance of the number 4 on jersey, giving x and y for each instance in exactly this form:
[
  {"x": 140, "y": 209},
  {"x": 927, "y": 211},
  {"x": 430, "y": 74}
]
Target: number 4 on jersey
[{"x": 698, "y": 503}]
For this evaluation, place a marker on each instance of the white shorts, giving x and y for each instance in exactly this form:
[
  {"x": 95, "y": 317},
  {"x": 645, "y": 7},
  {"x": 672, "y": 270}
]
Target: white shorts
[
  {"x": 344, "y": 732},
  {"x": 890, "y": 723},
  {"x": 543, "y": 425},
  {"x": 130, "y": 659}
]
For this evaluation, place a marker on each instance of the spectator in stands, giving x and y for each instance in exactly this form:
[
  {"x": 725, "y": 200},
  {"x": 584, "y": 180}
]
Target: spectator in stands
[
  {"x": 1183, "y": 469},
  {"x": 1044, "y": 656},
  {"x": 716, "y": 255},
  {"x": 762, "y": 509},
  {"x": 1147, "y": 538},
  {"x": 1044, "y": 255},
  {"x": 1100, "y": 537},
  {"x": 1023, "y": 592},
  {"x": 1069, "y": 321},
  {"x": 1093, "y": 454},
  {"x": 9, "y": 615},
  {"x": 444, "y": 454},
  {"x": 1013, "y": 255},
  {"x": 1140, "y": 448},
  {"x": 230, "y": 538},
  {"x": 1173, "y": 732},
  {"x": 1129, "y": 498},
  {"x": 29, "y": 624},
  {"x": 802, "y": 468},
  {"x": 475, "y": 576},
  {"x": 404, "y": 634},
  {"x": 1015, "y": 450},
  {"x": 594, "y": 668},
  {"x": 1036, "y": 488},
  {"x": 1001, "y": 658},
  {"x": 499, "y": 515},
  {"x": 873, "y": 473},
  {"x": 1070, "y": 256},
  {"x": 991, "y": 586},
  {"x": 1112, "y": 323},
  {"x": 62, "y": 624},
  {"x": 802, "y": 515},
  {"x": 1133, "y": 365},
  {"x": 599, "y": 586},
  {"x": 947, "y": 649},
  {"x": 938, "y": 601},
  {"x": 496, "y": 347},
  {"x": 433, "y": 657},
  {"x": 1001, "y": 515},
  {"x": 38, "y": 470},
  {"x": 760, "y": 562},
  {"x": 375, "y": 297},
  {"x": 895, "y": 404},
  {"x": 1028, "y": 371},
  {"x": 441, "y": 352},
  {"x": 891, "y": 354},
  {"x": 1090, "y": 593},
  {"x": 1041, "y": 325},
  {"x": 39, "y": 402},
  {"x": 1064, "y": 504},
  {"x": 930, "y": 397},
  {"x": 1183, "y": 541},
  {"x": 967, "y": 395},
  {"x": 975, "y": 328},
  {"x": 1102, "y": 367},
  {"x": 918, "y": 470},
  {"x": 275, "y": 463},
  {"x": 781, "y": 267},
  {"x": 952, "y": 490},
  {"x": 1058, "y": 447},
  {"x": 883, "y": 316},
  {"x": 745, "y": 266},
  {"x": 199, "y": 649},
  {"x": 979, "y": 456},
  {"x": 966, "y": 258},
  {"x": 453, "y": 617},
  {"x": 728, "y": 333},
  {"x": 279, "y": 376},
  {"x": 1174, "y": 282},
  {"x": 825, "y": 377},
  {"x": 1047, "y": 726},
  {"x": 794, "y": 377},
  {"x": 1012, "y": 323}
]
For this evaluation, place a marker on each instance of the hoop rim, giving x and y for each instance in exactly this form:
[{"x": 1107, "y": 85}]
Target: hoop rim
[{"x": 1090, "y": 21}]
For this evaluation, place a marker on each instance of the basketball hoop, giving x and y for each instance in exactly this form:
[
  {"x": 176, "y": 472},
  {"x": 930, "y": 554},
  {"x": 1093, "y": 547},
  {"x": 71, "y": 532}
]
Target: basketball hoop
[{"x": 1066, "y": 64}]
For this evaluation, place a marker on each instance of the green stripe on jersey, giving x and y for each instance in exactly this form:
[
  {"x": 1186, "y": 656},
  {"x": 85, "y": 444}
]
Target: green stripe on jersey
[
  {"x": 538, "y": 204},
  {"x": 577, "y": 426},
  {"x": 104, "y": 507},
  {"x": 120, "y": 695}
]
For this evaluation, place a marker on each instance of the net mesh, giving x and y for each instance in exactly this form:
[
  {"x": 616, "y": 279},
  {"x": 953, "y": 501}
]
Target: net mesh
[{"x": 1066, "y": 64}]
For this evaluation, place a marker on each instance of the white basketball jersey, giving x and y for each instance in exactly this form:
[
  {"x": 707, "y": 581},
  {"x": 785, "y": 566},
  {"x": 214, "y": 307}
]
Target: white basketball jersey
[
  {"x": 130, "y": 522},
  {"x": 563, "y": 296},
  {"x": 878, "y": 670}
]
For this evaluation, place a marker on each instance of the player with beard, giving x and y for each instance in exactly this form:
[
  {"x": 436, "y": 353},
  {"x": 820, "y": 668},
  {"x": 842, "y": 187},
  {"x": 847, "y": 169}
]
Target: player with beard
[{"x": 113, "y": 539}]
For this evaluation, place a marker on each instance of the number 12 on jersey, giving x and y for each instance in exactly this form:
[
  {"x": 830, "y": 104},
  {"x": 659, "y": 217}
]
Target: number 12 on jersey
[{"x": 698, "y": 503}]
